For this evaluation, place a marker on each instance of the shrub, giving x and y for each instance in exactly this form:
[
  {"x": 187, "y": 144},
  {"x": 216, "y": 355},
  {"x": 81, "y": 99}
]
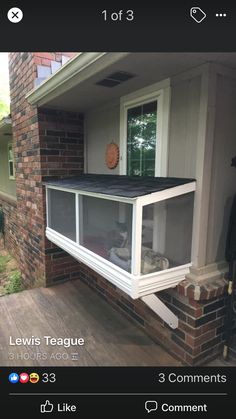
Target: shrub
[{"x": 15, "y": 283}]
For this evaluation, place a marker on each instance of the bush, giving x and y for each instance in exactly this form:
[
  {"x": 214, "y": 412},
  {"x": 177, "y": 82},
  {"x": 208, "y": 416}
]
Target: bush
[{"x": 15, "y": 283}]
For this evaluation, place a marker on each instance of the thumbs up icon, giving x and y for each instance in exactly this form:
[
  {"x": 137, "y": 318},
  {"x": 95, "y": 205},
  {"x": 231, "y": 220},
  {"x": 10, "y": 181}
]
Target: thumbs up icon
[{"x": 47, "y": 407}]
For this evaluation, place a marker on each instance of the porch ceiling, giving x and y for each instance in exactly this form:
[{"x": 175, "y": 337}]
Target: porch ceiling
[{"x": 82, "y": 93}]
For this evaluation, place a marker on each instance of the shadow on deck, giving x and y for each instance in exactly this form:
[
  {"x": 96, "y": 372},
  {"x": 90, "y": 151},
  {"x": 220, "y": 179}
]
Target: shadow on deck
[{"x": 72, "y": 310}]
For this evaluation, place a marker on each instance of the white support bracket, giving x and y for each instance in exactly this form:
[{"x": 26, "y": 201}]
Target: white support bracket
[{"x": 161, "y": 310}]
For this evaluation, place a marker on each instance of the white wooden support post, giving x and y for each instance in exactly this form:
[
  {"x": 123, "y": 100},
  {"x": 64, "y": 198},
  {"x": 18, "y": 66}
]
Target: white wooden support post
[
  {"x": 161, "y": 310},
  {"x": 48, "y": 218},
  {"x": 136, "y": 237},
  {"x": 204, "y": 158},
  {"x": 77, "y": 216}
]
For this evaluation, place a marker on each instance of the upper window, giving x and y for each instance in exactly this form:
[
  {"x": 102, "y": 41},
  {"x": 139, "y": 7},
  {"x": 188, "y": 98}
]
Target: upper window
[
  {"x": 11, "y": 164},
  {"x": 144, "y": 131},
  {"x": 141, "y": 139}
]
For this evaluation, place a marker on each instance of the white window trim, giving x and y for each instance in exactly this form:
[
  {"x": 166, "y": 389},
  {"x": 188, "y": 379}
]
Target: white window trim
[
  {"x": 13, "y": 161},
  {"x": 161, "y": 92}
]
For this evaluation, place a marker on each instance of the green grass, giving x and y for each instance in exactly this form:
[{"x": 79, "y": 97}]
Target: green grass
[
  {"x": 3, "y": 262},
  {"x": 14, "y": 283}
]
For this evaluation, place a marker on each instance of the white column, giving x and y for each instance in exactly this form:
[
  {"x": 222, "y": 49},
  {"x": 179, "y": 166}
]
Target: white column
[{"x": 136, "y": 237}]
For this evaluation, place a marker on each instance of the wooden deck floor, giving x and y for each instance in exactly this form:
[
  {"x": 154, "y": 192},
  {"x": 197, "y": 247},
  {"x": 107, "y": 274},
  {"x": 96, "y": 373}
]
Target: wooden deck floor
[{"x": 73, "y": 310}]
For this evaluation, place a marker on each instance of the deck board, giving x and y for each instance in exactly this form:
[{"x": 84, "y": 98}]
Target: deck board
[{"x": 74, "y": 310}]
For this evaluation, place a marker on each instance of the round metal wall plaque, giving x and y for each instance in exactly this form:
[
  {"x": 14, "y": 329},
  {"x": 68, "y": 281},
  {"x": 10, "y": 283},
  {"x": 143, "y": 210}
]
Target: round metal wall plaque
[{"x": 112, "y": 155}]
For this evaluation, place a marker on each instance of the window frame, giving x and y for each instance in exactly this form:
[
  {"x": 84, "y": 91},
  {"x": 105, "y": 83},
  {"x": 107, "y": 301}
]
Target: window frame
[
  {"x": 11, "y": 177},
  {"x": 159, "y": 92}
]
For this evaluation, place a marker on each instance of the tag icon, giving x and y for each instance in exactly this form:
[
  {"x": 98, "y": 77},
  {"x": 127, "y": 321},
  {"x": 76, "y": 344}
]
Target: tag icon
[{"x": 197, "y": 14}]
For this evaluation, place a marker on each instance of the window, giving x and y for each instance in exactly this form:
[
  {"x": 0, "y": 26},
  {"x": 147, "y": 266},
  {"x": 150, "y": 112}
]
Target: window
[
  {"x": 106, "y": 229},
  {"x": 167, "y": 233},
  {"x": 11, "y": 164},
  {"x": 144, "y": 131},
  {"x": 141, "y": 139},
  {"x": 61, "y": 212}
]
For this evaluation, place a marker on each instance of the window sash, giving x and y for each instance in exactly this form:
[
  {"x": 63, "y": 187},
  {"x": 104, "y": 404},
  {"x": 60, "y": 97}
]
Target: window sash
[
  {"x": 11, "y": 163},
  {"x": 141, "y": 150},
  {"x": 159, "y": 92}
]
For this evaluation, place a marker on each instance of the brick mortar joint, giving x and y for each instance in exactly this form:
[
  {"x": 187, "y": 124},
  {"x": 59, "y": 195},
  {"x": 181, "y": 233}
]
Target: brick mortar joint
[{"x": 206, "y": 290}]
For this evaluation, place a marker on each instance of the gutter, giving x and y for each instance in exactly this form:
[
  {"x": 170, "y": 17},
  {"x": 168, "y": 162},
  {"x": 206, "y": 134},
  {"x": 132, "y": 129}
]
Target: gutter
[{"x": 75, "y": 71}]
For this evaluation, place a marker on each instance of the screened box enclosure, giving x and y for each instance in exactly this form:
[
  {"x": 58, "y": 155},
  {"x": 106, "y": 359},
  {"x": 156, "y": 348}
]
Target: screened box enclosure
[{"x": 134, "y": 231}]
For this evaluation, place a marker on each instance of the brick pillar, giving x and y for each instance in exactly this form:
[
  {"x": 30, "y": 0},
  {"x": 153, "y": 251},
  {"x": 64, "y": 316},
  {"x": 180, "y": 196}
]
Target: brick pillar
[
  {"x": 61, "y": 148},
  {"x": 46, "y": 143}
]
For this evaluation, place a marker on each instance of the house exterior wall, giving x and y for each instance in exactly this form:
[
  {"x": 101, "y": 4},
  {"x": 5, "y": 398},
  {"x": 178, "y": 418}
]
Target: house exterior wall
[
  {"x": 9, "y": 207},
  {"x": 49, "y": 143},
  {"x": 183, "y": 131},
  {"x": 223, "y": 183},
  {"x": 200, "y": 308},
  {"x": 8, "y": 186},
  {"x": 46, "y": 143},
  {"x": 62, "y": 155},
  {"x": 102, "y": 128}
]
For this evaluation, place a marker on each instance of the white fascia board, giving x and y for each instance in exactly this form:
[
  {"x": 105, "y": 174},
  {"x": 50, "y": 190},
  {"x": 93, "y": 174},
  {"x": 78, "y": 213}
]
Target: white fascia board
[
  {"x": 74, "y": 72},
  {"x": 167, "y": 193},
  {"x": 162, "y": 280}
]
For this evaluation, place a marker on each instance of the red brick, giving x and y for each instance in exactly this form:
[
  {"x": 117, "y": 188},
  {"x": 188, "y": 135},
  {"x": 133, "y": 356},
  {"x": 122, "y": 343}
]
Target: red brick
[{"x": 27, "y": 128}]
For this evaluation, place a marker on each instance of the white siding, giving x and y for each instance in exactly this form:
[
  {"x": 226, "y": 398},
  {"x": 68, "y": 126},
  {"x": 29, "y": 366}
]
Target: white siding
[
  {"x": 184, "y": 119},
  {"x": 102, "y": 128},
  {"x": 223, "y": 185},
  {"x": 185, "y": 129}
]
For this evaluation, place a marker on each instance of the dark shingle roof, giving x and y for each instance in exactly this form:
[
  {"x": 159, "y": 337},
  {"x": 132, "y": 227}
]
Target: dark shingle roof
[{"x": 126, "y": 186}]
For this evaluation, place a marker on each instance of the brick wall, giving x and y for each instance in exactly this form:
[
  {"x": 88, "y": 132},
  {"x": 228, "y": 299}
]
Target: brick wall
[
  {"x": 43, "y": 145},
  {"x": 199, "y": 337},
  {"x": 47, "y": 63},
  {"x": 10, "y": 225},
  {"x": 61, "y": 143},
  {"x": 62, "y": 154}
]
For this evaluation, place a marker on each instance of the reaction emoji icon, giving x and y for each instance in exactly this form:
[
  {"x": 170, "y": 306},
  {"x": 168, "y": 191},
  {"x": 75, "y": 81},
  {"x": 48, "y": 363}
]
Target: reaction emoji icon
[
  {"x": 34, "y": 378},
  {"x": 24, "y": 378},
  {"x": 13, "y": 378}
]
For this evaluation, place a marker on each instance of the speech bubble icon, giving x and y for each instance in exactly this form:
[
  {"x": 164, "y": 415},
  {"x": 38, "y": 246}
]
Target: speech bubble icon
[{"x": 151, "y": 406}]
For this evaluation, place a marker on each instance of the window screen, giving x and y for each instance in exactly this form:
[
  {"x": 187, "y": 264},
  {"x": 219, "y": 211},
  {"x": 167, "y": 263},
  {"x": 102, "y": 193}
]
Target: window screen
[{"x": 61, "y": 213}]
